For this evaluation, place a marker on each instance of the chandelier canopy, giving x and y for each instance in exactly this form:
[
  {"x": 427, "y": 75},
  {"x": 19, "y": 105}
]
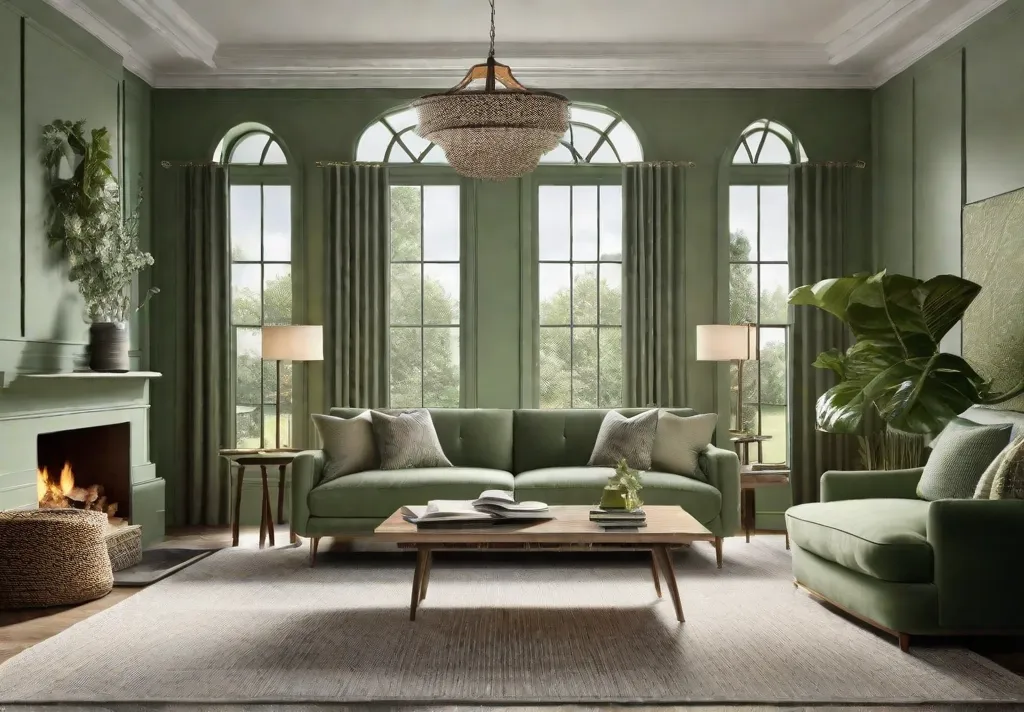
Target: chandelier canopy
[{"x": 493, "y": 133}]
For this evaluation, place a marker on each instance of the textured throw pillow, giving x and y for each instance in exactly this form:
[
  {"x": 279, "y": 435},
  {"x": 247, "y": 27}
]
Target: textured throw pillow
[
  {"x": 959, "y": 459},
  {"x": 984, "y": 488},
  {"x": 631, "y": 439},
  {"x": 680, "y": 441},
  {"x": 407, "y": 440},
  {"x": 1008, "y": 482},
  {"x": 348, "y": 444}
]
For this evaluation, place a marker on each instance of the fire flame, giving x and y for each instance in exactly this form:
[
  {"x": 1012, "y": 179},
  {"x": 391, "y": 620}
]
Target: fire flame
[
  {"x": 51, "y": 491},
  {"x": 64, "y": 494}
]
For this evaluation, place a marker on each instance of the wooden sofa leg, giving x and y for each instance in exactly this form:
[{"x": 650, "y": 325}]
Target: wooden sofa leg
[
  {"x": 904, "y": 639},
  {"x": 314, "y": 542},
  {"x": 718, "y": 551}
]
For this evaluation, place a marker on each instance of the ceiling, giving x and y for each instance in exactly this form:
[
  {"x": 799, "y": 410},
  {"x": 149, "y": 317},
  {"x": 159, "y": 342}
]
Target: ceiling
[{"x": 549, "y": 43}]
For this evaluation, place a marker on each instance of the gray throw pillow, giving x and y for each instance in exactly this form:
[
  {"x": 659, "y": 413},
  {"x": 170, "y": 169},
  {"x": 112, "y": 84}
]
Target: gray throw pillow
[
  {"x": 1008, "y": 482},
  {"x": 407, "y": 440},
  {"x": 631, "y": 439},
  {"x": 680, "y": 441},
  {"x": 960, "y": 458},
  {"x": 348, "y": 444}
]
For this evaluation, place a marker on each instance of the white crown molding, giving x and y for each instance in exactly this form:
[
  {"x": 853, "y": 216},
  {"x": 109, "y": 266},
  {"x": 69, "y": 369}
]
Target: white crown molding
[
  {"x": 866, "y": 25},
  {"x": 969, "y": 13},
  {"x": 169, "y": 20},
  {"x": 101, "y": 30}
]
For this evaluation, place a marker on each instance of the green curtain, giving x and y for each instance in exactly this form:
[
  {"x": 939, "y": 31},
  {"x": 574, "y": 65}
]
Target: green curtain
[
  {"x": 823, "y": 208},
  {"x": 652, "y": 265},
  {"x": 206, "y": 373},
  {"x": 357, "y": 237}
]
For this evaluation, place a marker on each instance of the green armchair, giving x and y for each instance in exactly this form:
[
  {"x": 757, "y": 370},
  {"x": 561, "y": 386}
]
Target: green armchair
[{"x": 909, "y": 566}]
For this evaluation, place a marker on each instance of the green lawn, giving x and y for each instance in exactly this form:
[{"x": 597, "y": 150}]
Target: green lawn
[{"x": 773, "y": 422}]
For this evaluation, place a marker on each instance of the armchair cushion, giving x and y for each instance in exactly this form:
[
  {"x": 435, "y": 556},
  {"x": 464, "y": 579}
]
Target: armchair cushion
[
  {"x": 959, "y": 458},
  {"x": 882, "y": 538}
]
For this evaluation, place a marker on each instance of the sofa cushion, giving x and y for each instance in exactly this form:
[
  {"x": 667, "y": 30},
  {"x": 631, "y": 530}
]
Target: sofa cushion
[
  {"x": 621, "y": 438},
  {"x": 583, "y": 485},
  {"x": 562, "y": 437},
  {"x": 407, "y": 441},
  {"x": 882, "y": 538},
  {"x": 470, "y": 437},
  {"x": 379, "y": 493},
  {"x": 960, "y": 456}
]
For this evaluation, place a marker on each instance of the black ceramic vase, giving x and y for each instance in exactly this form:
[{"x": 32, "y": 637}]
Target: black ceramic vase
[{"x": 108, "y": 347}]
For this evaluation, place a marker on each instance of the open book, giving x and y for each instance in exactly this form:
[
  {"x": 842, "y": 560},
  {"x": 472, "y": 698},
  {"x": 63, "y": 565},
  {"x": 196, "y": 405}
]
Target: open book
[{"x": 491, "y": 506}]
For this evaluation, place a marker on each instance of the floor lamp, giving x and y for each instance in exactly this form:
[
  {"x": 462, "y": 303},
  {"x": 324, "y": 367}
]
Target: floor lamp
[
  {"x": 290, "y": 343},
  {"x": 729, "y": 342}
]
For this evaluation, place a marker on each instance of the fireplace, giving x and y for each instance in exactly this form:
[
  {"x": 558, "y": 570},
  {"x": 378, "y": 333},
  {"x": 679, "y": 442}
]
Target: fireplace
[{"x": 86, "y": 468}]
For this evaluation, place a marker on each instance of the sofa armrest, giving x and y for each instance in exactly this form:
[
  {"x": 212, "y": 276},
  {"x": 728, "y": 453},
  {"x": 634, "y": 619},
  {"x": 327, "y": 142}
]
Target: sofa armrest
[
  {"x": 307, "y": 469},
  {"x": 870, "y": 484},
  {"x": 723, "y": 474},
  {"x": 979, "y": 563}
]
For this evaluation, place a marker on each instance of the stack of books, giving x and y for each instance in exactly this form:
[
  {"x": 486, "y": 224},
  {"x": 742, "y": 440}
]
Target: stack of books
[
  {"x": 491, "y": 507},
  {"x": 618, "y": 518}
]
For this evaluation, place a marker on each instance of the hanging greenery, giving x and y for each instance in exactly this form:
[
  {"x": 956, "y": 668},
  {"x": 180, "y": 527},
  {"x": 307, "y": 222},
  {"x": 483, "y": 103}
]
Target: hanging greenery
[{"x": 100, "y": 244}]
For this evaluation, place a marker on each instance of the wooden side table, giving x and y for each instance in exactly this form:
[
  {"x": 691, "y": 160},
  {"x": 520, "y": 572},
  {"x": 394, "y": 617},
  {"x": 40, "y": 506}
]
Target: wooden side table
[
  {"x": 750, "y": 481},
  {"x": 263, "y": 459}
]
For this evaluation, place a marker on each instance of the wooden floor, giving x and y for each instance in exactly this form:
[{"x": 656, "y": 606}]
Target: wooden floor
[{"x": 24, "y": 628}]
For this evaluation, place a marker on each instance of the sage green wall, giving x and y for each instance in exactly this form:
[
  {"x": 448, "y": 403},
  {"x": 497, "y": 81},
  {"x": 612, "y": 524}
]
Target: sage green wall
[
  {"x": 52, "y": 69},
  {"x": 947, "y": 131},
  {"x": 695, "y": 125}
]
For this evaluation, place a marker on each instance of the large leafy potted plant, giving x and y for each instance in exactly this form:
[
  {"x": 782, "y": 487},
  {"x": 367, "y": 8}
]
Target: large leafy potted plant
[
  {"x": 99, "y": 242},
  {"x": 895, "y": 377}
]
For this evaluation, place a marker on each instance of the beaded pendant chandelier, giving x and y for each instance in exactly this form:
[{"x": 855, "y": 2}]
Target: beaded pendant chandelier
[{"x": 493, "y": 133}]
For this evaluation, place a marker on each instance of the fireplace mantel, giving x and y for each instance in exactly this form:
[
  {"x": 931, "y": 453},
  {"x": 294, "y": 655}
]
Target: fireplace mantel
[{"x": 94, "y": 374}]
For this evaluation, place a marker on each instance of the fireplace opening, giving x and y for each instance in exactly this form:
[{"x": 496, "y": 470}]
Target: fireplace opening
[{"x": 87, "y": 468}]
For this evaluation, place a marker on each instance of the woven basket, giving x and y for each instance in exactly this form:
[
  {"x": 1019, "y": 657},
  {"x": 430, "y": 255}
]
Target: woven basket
[
  {"x": 124, "y": 545},
  {"x": 53, "y": 557}
]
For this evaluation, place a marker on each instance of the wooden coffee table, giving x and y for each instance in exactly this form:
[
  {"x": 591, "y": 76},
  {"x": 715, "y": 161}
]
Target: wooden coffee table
[{"x": 570, "y": 530}]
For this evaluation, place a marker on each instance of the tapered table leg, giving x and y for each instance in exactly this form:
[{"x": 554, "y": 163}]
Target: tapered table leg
[
  {"x": 280, "y": 495},
  {"x": 654, "y": 572},
  {"x": 238, "y": 505},
  {"x": 267, "y": 514},
  {"x": 422, "y": 556},
  {"x": 665, "y": 559},
  {"x": 426, "y": 574}
]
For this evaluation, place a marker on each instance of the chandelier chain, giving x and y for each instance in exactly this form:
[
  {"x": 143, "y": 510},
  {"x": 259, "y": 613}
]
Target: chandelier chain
[{"x": 491, "y": 53}]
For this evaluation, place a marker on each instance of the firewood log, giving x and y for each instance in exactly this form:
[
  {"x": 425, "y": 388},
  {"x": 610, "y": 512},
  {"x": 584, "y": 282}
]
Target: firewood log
[{"x": 78, "y": 494}]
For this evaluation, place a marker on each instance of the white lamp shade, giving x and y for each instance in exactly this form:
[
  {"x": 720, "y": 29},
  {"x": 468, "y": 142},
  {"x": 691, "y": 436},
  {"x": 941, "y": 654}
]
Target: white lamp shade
[
  {"x": 726, "y": 342},
  {"x": 293, "y": 343}
]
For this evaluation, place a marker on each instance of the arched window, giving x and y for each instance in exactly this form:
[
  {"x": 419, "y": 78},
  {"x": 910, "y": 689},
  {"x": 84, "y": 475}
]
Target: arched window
[
  {"x": 759, "y": 276},
  {"x": 596, "y": 135},
  {"x": 260, "y": 237},
  {"x": 767, "y": 142}
]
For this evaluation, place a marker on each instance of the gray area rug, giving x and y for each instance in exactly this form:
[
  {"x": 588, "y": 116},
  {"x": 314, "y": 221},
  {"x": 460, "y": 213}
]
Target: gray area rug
[{"x": 246, "y": 626}]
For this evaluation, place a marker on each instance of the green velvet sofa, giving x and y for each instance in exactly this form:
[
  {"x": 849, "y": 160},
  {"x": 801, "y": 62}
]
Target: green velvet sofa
[
  {"x": 908, "y": 566},
  {"x": 538, "y": 454}
]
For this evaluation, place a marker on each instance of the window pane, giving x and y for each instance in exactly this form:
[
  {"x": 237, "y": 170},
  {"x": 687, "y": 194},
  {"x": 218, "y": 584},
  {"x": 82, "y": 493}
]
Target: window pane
[
  {"x": 584, "y": 294},
  {"x": 742, "y": 223},
  {"x": 742, "y": 154},
  {"x": 245, "y": 223},
  {"x": 774, "y": 223},
  {"x": 406, "y": 368},
  {"x": 626, "y": 143},
  {"x": 584, "y": 222},
  {"x": 773, "y": 422},
  {"x": 611, "y": 223},
  {"x": 584, "y": 367},
  {"x": 560, "y": 154},
  {"x": 269, "y": 426},
  {"x": 555, "y": 367},
  {"x": 553, "y": 283},
  {"x": 594, "y": 117},
  {"x": 583, "y": 140},
  {"x": 402, "y": 119},
  {"x": 751, "y": 422},
  {"x": 398, "y": 153},
  {"x": 774, "y": 150},
  {"x": 275, "y": 156},
  {"x": 774, "y": 292},
  {"x": 405, "y": 294},
  {"x": 441, "y": 367},
  {"x": 611, "y": 293},
  {"x": 270, "y": 382},
  {"x": 611, "y": 367},
  {"x": 435, "y": 155},
  {"x": 440, "y": 293},
  {"x": 742, "y": 294},
  {"x": 277, "y": 294},
  {"x": 247, "y": 426},
  {"x": 414, "y": 143},
  {"x": 405, "y": 222},
  {"x": 277, "y": 223},
  {"x": 248, "y": 367},
  {"x": 553, "y": 222},
  {"x": 773, "y": 366},
  {"x": 373, "y": 143},
  {"x": 250, "y": 149},
  {"x": 441, "y": 207},
  {"x": 246, "y": 282},
  {"x": 605, "y": 154}
]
